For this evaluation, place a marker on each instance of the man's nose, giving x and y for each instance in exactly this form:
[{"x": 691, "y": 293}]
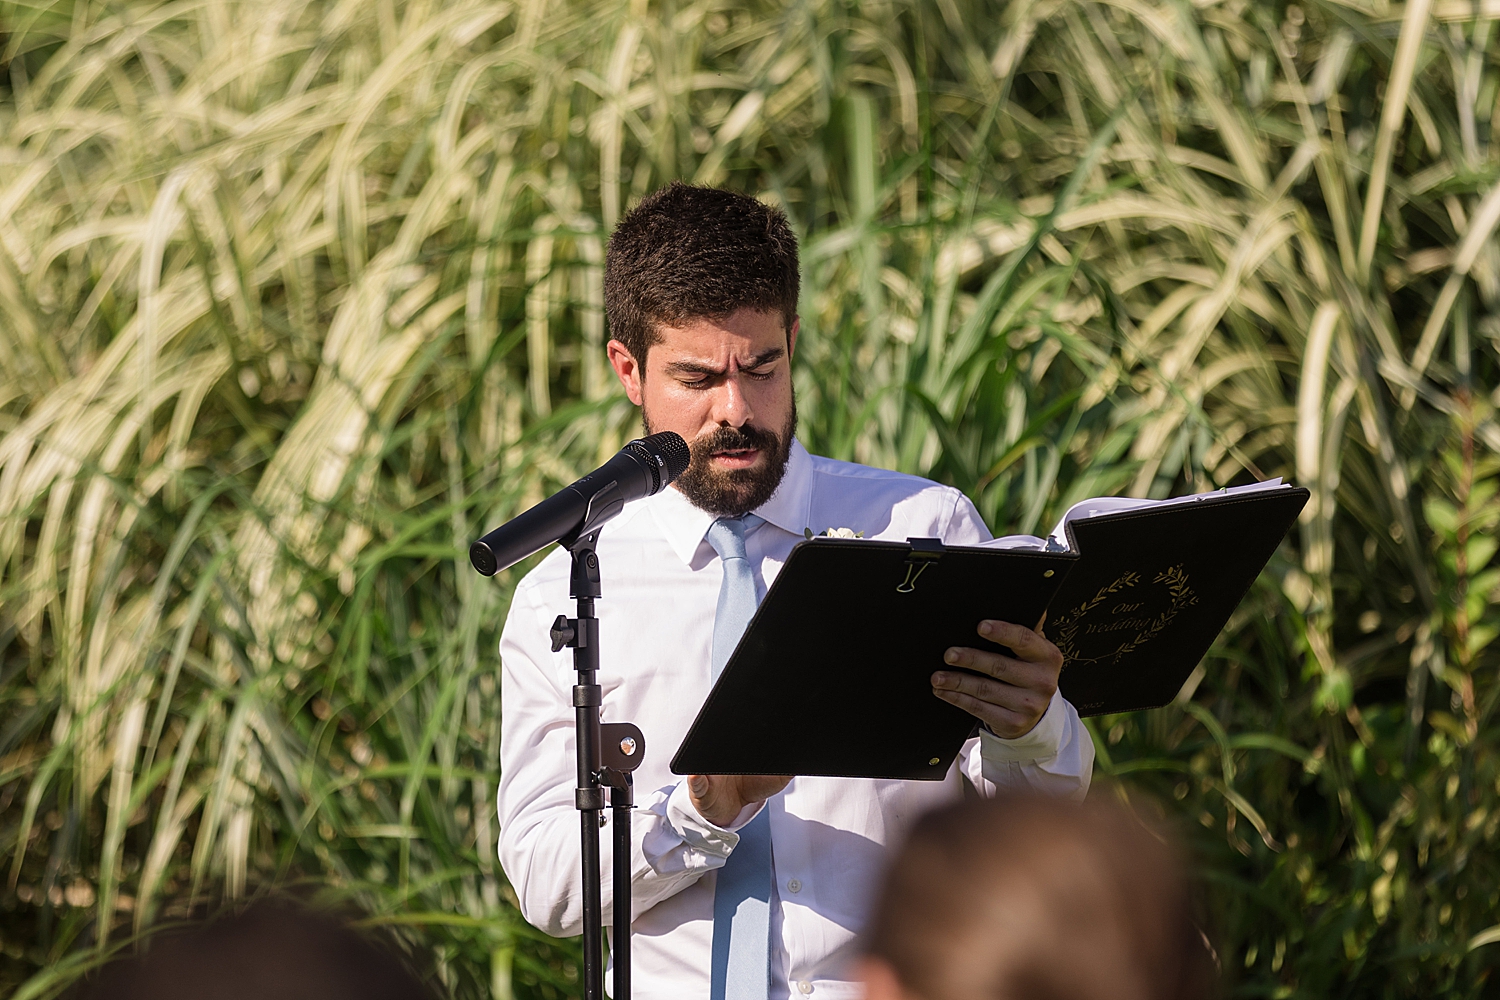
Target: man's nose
[{"x": 731, "y": 408}]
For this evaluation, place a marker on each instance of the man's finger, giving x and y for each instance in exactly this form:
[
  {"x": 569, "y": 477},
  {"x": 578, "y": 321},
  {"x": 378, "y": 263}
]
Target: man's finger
[
  {"x": 1026, "y": 644},
  {"x": 1022, "y": 673},
  {"x": 1023, "y": 701},
  {"x": 1001, "y": 721},
  {"x": 996, "y": 665}
]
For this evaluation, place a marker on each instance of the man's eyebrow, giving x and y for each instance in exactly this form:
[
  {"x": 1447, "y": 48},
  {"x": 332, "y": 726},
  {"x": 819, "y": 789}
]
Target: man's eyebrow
[{"x": 699, "y": 368}]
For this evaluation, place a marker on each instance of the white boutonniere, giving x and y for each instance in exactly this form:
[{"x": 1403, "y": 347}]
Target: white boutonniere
[{"x": 834, "y": 533}]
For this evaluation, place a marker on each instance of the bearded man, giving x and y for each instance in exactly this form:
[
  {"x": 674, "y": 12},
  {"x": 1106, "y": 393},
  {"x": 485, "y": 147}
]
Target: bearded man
[{"x": 701, "y": 290}]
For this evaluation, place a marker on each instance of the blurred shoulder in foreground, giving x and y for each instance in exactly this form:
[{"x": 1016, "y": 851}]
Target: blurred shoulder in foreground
[
  {"x": 1032, "y": 898},
  {"x": 270, "y": 950}
]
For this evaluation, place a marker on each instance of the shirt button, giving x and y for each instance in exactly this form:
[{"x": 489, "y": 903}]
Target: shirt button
[
  {"x": 795, "y": 885},
  {"x": 804, "y": 987}
]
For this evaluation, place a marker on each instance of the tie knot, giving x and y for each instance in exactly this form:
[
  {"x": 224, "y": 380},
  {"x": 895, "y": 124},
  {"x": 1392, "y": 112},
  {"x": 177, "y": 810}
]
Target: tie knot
[{"x": 727, "y": 535}]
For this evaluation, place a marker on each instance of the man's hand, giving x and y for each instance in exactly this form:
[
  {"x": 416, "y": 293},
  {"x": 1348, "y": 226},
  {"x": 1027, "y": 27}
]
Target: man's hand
[
  {"x": 1013, "y": 697},
  {"x": 720, "y": 797}
]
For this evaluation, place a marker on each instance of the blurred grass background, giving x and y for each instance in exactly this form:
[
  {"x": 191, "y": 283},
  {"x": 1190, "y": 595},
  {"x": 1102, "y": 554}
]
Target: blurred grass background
[{"x": 296, "y": 297}]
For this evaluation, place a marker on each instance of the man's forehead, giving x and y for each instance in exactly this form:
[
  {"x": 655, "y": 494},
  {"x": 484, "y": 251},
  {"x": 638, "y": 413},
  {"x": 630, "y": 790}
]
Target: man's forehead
[{"x": 744, "y": 334}]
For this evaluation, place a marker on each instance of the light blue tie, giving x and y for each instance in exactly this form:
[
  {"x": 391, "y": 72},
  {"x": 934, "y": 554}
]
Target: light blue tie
[{"x": 742, "y": 899}]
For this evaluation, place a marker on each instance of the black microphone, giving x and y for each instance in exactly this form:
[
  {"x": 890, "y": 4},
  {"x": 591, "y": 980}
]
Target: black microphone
[{"x": 642, "y": 468}]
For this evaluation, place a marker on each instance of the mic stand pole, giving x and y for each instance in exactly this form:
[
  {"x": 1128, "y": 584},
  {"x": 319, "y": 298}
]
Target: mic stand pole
[
  {"x": 607, "y": 753},
  {"x": 621, "y": 799}
]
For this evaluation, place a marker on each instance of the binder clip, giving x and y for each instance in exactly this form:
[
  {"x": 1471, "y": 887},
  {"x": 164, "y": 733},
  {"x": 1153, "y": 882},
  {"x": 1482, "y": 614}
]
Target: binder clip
[{"x": 924, "y": 552}]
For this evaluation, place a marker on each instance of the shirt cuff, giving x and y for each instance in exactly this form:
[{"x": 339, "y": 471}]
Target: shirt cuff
[
  {"x": 1042, "y": 743},
  {"x": 697, "y": 832}
]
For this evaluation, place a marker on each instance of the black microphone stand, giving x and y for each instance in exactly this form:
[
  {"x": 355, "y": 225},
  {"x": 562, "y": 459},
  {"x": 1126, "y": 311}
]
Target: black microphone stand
[{"x": 607, "y": 754}]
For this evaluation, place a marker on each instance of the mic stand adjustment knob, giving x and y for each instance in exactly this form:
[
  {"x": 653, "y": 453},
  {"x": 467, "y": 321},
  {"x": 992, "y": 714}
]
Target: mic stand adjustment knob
[{"x": 564, "y": 631}]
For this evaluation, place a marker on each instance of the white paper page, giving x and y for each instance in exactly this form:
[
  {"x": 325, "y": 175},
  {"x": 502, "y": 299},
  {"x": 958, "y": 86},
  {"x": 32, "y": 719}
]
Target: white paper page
[
  {"x": 1112, "y": 505},
  {"x": 1016, "y": 542}
]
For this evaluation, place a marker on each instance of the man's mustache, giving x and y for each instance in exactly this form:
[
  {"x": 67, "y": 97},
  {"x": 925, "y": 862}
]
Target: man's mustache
[{"x": 733, "y": 439}]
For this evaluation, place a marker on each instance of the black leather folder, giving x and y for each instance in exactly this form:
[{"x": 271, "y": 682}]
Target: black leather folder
[{"x": 833, "y": 674}]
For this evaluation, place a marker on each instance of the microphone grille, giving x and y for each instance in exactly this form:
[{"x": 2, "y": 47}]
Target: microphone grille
[{"x": 670, "y": 454}]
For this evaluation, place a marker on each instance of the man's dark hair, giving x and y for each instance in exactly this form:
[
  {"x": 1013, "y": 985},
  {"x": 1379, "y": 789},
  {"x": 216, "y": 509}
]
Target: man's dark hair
[
  {"x": 687, "y": 252},
  {"x": 1023, "y": 897}
]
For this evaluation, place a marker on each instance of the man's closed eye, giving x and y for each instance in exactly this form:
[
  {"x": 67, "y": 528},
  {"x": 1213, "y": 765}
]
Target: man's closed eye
[{"x": 761, "y": 374}]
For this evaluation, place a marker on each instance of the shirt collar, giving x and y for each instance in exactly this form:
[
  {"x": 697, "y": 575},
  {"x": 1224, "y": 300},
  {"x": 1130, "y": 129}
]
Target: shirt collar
[{"x": 685, "y": 525}]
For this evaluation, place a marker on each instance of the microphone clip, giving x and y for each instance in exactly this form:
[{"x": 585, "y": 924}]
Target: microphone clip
[{"x": 583, "y": 580}]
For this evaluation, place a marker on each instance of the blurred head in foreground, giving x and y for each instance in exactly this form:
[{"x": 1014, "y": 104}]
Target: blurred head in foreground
[
  {"x": 272, "y": 950},
  {"x": 1030, "y": 898}
]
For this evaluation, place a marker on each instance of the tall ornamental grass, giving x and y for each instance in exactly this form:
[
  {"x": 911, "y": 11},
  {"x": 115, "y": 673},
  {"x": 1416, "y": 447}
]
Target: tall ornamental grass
[{"x": 298, "y": 297}]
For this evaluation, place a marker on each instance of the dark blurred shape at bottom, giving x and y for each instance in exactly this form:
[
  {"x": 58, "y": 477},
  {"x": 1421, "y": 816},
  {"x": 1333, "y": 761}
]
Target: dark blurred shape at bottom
[
  {"x": 1023, "y": 897},
  {"x": 270, "y": 950}
]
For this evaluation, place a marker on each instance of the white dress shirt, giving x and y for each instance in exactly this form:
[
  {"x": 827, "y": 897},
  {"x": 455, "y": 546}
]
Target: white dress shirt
[{"x": 660, "y": 582}]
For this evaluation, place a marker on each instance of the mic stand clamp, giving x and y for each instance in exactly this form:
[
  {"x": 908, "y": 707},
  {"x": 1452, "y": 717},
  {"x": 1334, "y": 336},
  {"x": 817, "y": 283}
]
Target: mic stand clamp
[{"x": 607, "y": 754}]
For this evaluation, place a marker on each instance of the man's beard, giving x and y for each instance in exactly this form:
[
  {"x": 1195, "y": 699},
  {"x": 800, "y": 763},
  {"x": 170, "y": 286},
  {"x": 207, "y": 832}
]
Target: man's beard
[{"x": 734, "y": 492}]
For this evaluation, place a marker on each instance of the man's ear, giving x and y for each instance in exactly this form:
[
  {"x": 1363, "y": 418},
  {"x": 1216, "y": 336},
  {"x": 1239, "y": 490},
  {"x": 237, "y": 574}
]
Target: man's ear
[
  {"x": 627, "y": 370},
  {"x": 791, "y": 336}
]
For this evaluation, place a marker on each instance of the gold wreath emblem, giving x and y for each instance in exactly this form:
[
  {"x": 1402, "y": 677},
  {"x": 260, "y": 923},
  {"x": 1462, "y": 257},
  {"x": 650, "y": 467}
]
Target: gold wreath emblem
[{"x": 1067, "y": 626}]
